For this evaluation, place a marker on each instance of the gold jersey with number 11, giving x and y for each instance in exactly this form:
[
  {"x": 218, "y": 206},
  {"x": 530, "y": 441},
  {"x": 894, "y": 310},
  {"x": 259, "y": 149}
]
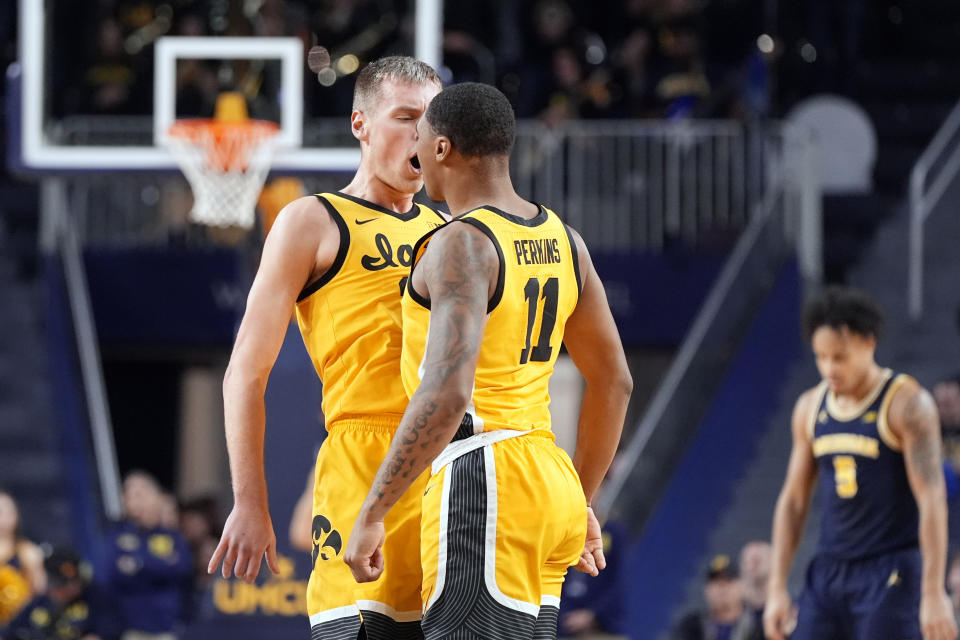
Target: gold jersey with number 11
[{"x": 537, "y": 289}]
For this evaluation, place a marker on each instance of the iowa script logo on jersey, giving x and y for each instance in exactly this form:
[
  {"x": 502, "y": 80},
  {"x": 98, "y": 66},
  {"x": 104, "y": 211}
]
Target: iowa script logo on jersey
[{"x": 386, "y": 258}]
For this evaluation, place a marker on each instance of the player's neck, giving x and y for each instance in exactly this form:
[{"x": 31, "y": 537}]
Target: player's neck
[
  {"x": 865, "y": 387},
  {"x": 491, "y": 190},
  {"x": 367, "y": 186}
]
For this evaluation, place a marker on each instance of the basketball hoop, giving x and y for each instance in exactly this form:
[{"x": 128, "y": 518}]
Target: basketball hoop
[{"x": 226, "y": 161}]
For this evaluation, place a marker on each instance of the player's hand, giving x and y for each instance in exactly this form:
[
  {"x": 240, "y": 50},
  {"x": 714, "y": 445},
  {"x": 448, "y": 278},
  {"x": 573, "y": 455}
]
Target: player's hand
[
  {"x": 592, "y": 560},
  {"x": 936, "y": 617},
  {"x": 779, "y": 617},
  {"x": 364, "y": 554},
  {"x": 247, "y": 537}
]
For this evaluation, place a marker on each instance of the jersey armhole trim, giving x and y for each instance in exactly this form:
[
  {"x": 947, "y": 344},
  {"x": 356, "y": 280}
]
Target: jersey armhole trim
[
  {"x": 418, "y": 250},
  {"x": 334, "y": 269},
  {"x": 498, "y": 292},
  {"x": 575, "y": 254},
  {"x": 883, "y": 425},
  {"x": 821, "y": 391}
]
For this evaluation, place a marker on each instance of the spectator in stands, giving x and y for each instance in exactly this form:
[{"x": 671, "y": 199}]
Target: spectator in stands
[
  {"x": 110, "y": 83},
  {"x": 200, "y": 525},
  {"x": 591, "y": 607},
  {"x": 147, "y": 564},
  {"x": 21, "y": 562},
  {"x": 67, "y": 610},
  {"x": 947, "y": 395},
  {"x": 755, "y": 577},
  {"x": 169, "y": 511},
  {"x": 726, "y": 617}
]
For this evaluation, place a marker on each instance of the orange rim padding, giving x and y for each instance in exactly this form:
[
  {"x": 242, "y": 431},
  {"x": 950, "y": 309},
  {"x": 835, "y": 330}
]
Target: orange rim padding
[{"x": 227, "y": 145}]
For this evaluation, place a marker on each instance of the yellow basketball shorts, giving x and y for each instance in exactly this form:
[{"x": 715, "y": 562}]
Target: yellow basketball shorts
[
  {"x": 390, "y": 607},
  {"x": 500, "y": 526}
]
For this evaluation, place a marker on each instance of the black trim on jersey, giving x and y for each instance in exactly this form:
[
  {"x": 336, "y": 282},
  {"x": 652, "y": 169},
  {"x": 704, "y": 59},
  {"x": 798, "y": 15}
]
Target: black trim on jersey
[
  {"x": 535, "y": 221},
  {"x": 409, "y": 215},
  {"x": 576, "y": 257},
  {"x": 334, "y": 269},
  {"x": 413, "y": 293},
  {"x": 498, "y": 292}
]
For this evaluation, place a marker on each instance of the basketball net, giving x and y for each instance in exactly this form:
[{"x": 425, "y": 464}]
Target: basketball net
[{"x": 226, "y": 160}]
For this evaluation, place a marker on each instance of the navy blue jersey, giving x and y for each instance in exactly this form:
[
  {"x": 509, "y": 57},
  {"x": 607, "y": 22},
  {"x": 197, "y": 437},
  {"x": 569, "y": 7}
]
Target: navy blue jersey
[
  {"x": 868, "y": 507},
  {"x": 146, "y": 572}
]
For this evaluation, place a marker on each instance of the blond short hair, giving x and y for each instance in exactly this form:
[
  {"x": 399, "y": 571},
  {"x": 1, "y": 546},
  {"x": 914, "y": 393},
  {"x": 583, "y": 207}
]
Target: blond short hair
[{"x": 392, "y": 68}]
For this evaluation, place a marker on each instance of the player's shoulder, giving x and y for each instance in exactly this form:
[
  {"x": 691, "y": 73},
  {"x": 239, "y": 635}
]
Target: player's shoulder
[
  {"x": 909, "y": 401},
  {"x": 304, "y": 218},
  {"x": 465, "y": 234},
  {"x": 807, "y": 403}
]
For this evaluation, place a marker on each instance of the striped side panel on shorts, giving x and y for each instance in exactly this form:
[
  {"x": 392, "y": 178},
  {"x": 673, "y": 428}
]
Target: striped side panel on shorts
[
  {"x": 346, "y": 628},
  {"x": 546, "y": 628},
  {"x": 382, "y": 627},
  {"x": 465, "y": 608}
]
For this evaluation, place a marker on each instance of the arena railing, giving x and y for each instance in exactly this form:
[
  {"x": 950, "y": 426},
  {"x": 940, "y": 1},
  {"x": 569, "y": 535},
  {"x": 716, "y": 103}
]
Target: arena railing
[
  {"x": 625, "y": 185},
  {"x": 934, "y": 171},
  {"x": 785, "y": 222}
]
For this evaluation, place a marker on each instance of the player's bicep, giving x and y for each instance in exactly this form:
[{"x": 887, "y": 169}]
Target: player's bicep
[
  {"x": 916, "y": 421},
  {"x": 802, "y": 467},
  {"x": 458, "y": 267},
  {"x": 288, "y": 260},
  {"x": 591, "y": 334}
]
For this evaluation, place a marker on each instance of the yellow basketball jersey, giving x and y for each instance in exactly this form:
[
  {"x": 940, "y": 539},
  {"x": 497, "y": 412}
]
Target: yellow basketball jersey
[
  {"x": 350, "y": 317},
  {"x": 537, "y": 290}
]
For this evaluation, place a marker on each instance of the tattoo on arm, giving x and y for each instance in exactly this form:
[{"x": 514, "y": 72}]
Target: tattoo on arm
[
  {"x": 923, "y": 453},
  {"x": 458, "y": 276}
]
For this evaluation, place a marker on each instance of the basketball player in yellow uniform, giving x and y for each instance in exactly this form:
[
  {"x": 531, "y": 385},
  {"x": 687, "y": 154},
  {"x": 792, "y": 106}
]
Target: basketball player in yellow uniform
[
  {"x": 340, "y": 260},
  {"x": 490, "y": 298}
]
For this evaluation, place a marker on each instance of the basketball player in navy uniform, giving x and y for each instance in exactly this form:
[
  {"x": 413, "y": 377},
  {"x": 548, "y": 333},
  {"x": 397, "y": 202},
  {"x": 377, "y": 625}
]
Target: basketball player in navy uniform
[{"x": 869, "y": 439}]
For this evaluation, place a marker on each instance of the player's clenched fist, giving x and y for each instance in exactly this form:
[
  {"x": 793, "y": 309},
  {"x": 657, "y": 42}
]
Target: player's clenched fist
[{"x": 364, "y": 553}]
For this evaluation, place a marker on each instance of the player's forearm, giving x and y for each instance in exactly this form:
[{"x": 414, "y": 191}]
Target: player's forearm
[
  {"x": 245, "y": 422},
  {"x": 788, "y": 521},
  {"x": 931, "y": 504},
  {"x": 428, "y": 425},
  {"x": 602, "y": 413}
]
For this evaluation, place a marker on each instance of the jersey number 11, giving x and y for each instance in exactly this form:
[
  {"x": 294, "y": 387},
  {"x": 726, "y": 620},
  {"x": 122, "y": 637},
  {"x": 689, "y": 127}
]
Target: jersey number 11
[{"x": 551, "y": 292}]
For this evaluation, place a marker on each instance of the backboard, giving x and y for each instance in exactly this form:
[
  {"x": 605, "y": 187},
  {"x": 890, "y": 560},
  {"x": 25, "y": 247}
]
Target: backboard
[{"x": 33, "y": 145}]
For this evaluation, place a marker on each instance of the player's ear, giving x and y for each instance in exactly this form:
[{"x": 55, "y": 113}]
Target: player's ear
[
  {"x": 442, "y": 148},
  {"x": 358, "y": 125}
]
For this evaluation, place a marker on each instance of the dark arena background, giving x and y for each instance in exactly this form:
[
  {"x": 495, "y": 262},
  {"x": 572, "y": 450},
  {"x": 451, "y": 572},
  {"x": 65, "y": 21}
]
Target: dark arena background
[{"x": 723, "y": 160}]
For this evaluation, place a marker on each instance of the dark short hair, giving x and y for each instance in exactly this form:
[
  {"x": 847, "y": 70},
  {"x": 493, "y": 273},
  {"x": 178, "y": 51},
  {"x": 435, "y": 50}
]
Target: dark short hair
[
  {"x": 366, "y": 91},
  {"x": 839, "y": 307},
  {"x": 477, "y": 118}
]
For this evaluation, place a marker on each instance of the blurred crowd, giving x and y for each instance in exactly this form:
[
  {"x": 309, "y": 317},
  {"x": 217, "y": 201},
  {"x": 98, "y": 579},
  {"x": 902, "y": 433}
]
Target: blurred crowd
[
  {"x": 555, "y": 59},
  {"x": 146, "y": 579}
]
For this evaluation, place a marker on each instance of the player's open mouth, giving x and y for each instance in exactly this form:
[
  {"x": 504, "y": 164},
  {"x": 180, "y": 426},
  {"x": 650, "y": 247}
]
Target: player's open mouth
[{"x": 415, "y": 164}]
